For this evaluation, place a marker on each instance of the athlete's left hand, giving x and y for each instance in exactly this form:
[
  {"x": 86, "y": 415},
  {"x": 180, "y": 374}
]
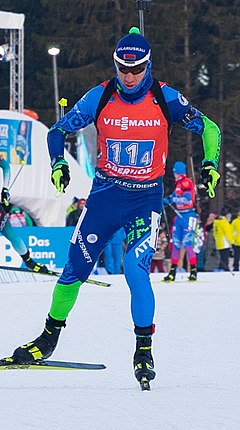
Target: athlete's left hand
[
  {"x": 5, "y": 196},
  {"x": 210, "y": 178}
]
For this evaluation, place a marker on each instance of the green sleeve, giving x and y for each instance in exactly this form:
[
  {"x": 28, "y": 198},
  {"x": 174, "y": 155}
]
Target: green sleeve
[
  {"x": 211, "y": 141},
  {"x": 29, "y": 221}
]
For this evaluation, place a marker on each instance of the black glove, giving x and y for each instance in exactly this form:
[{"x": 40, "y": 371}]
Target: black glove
[
  {"x": 5, "y": 196},
  {"x": 60, "y": 174},
  {"x": 210, "y": 178}
]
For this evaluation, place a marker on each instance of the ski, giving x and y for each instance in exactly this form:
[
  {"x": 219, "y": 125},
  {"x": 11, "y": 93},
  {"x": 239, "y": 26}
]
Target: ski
[
  {"x": 51, "y": 273},
  {"x": 50, "y": 365},
  {"x": 26, "y": 270},
  {"x": 144, "y": 384}
]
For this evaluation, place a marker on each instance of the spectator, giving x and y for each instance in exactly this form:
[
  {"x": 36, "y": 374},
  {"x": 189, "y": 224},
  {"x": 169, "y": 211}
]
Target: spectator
[
  {"x": 235, "y": 226},
  {"x": 74, "y": 211},
  {"x": 211, "y": 255},
  {"x": 223, "y": 237},
  {"x": 113, "y": 253},
  {"x": 159, "y": 255}
]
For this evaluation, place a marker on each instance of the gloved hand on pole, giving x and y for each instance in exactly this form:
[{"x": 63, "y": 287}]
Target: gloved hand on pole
[
  {"x": 210, "y": 178},
  {"x": 60, "y": 174},
  {"x": 5, "y": 196}
]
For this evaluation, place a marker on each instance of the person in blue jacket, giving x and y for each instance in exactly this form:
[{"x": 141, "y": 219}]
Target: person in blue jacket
[{"x": 133, "y": 126}]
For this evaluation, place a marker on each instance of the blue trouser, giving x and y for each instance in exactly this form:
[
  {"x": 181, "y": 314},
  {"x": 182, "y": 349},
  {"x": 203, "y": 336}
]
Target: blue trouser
[
  {"x": 113, "y": 257},
  {"x": 108, "y": 209},
  {"x": 183, "y": 235}
]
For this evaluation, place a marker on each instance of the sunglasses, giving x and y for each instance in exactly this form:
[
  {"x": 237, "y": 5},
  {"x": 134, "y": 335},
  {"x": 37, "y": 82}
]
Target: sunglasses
[{"x": 135, "y": 70}]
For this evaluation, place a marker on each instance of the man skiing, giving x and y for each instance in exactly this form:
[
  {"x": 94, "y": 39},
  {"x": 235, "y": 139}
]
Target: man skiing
[
  {"x": 185, "y": 221},
  {"x": 5, "y": 226},
  {"x": 132, "y": 119}
]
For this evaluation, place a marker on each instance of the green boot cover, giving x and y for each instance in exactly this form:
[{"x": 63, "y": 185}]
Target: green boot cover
[{"x": 63, "y": 300}]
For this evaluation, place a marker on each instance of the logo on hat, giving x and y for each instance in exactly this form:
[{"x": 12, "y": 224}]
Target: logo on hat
[{"x": 129, "y": 56}]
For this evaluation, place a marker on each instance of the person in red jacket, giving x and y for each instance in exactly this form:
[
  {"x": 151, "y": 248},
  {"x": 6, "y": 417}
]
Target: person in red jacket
[{"x": 184, "y": 224}]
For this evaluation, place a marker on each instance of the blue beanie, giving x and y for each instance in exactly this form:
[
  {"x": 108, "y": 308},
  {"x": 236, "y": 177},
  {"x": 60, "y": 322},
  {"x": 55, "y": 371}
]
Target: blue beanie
[
  {"x": 179, "y": 168},
  {"x": 132, "y": 49}
]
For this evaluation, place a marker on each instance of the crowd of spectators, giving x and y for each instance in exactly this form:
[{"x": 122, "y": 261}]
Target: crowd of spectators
[{"x": 216, "y": 244}]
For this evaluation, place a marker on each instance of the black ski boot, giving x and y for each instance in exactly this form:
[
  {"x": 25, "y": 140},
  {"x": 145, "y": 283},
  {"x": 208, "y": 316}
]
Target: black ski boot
[
  {"x": 32, "y": 265},
  {"x": 143, "y": 361},
  {"x": 193, "y": 273},
  {"x": 42, "y": 347},
  {"x": 172, "y": 274}
]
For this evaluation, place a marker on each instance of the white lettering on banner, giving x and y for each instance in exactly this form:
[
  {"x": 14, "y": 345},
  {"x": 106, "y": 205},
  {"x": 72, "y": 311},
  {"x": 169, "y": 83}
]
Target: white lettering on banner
[
  {"x": 4, "y": 131},
  {"x": 142, "y": 247},
  {"x": 38, "y": 255},
  {"x": 124, "y": 123},
  {"x": 8, "y": 255},
  {"x": 34, "y": 241},
  {"x": 83, "y": 248}
]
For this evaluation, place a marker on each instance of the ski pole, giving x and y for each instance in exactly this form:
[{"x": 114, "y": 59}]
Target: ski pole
[
  {"x": 16, "y": 176},
  {"x": 166, "y": 222},
  {"x": 143, "y": 4},
  {"x": 63, "y": 104}
]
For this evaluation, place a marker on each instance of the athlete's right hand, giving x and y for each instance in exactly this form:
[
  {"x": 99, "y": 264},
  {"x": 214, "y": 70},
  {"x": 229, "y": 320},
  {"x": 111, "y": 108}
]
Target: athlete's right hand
[
  {"x": 210, "y": 178},
  {"x": 60, "y": 174}
]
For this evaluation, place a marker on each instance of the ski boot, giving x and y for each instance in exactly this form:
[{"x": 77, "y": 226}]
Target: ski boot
[
  {"x": 193, "y": 273},
  {"x": 32, "y": 265},
  {"x": 40, "y": 348},
  {"x": 143, "y": 361},
  {"x": 172, "y": 274}
]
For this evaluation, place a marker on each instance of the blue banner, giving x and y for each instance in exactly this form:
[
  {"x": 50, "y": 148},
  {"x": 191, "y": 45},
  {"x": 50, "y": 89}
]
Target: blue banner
[
  {"x": 47, "y": 245},
  {"x": 15, "y": 141}
]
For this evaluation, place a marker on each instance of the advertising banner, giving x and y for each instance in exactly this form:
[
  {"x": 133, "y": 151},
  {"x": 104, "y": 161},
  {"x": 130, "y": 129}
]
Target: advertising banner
[
  {"x": 47, "y": 245},
  {"x": 15, "y": 141}
]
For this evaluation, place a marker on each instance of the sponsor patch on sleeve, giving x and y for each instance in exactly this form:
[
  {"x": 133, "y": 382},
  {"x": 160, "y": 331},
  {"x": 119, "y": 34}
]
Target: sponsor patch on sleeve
[{"x": 182, "y": 99}]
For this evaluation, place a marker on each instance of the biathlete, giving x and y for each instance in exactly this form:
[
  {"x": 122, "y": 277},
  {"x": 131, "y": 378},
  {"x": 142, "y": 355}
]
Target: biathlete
[
  {"x": 133, "y": 114},
  {"x": 185, "y": 221}
]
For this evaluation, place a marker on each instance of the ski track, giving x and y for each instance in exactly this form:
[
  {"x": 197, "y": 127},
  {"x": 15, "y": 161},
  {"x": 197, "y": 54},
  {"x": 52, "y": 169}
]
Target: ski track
[{"x": 196, "y": 349}]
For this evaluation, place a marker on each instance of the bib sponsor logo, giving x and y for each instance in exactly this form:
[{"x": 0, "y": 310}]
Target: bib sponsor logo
[{"x": 125, "y": 123}]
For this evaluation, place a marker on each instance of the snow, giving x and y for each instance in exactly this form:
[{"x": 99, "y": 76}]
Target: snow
[{"x": 196, "y": 349}]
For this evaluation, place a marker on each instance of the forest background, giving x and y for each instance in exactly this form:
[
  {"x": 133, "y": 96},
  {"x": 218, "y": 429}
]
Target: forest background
[{"x": 195, "y": 48}]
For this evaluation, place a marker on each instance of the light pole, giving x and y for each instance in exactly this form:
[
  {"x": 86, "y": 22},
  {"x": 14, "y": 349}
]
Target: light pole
[{"x": 54, "y": 52}]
